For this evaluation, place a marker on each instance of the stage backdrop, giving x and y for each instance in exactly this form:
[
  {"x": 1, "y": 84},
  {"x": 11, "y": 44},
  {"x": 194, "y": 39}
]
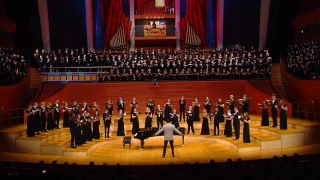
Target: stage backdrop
[
  {"x": 241, "y": 23},
  {"x": 67, "y": 23}
]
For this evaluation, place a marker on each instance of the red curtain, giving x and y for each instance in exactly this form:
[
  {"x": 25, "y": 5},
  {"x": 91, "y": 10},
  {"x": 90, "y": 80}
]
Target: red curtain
[
  {"x": 113, "y": 17},
  {"x": 195, "y": 14}
]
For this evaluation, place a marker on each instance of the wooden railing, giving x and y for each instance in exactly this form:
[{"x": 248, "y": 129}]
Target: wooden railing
[
  {"x": 11, "y": 117},
  {"x": 307, "y": 111}
]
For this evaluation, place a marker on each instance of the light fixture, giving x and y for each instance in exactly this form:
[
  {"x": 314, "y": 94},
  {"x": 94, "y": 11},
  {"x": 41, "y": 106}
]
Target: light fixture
[{"x": 159, "y": 3}]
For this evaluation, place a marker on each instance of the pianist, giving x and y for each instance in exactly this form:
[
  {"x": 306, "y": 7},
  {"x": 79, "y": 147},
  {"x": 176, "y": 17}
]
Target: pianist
[{"x": 168, "y": 130}]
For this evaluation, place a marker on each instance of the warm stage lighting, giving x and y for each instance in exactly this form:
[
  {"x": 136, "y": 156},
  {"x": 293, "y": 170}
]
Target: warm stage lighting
[{"x": 159, "y": 3}]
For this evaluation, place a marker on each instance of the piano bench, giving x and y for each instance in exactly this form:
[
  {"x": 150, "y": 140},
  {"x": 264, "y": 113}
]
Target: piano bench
[{"x": 127, "y": 140}]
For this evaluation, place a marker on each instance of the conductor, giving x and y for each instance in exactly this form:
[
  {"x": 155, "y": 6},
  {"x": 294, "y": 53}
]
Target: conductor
[{"x": 168, "y": 130}]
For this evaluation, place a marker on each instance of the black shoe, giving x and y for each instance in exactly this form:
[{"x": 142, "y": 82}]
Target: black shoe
[
  {"x": 108, "y": 137},
  {"x": 163, "y": 156},
  {"x": 173, "y": 155}
]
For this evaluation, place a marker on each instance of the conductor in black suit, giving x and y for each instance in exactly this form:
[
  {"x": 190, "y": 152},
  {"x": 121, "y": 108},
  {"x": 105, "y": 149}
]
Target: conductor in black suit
[{"x": 274, "y": 110}]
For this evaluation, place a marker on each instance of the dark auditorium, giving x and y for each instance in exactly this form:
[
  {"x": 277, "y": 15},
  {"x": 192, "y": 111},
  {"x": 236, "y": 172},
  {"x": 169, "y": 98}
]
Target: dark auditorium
[{"x": 160, "y": 89}]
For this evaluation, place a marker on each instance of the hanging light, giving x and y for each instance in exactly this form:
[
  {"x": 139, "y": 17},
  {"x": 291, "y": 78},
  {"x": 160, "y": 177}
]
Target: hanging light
[{"x": 159, "y": 3}]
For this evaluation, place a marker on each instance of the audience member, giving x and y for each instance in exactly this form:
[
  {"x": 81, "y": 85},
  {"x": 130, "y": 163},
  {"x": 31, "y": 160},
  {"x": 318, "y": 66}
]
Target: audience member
[
  {"x": 238, "y": 63},
  {"x": 12, "y": 65},
  {"x": 304, "y": 59}
]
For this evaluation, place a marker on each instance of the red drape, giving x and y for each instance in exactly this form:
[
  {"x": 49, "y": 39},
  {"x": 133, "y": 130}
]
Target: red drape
[{"x": 113, "y": 17}]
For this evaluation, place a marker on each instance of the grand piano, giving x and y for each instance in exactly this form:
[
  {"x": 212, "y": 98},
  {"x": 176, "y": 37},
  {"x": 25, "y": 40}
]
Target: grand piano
[{"x": 143, "y": 134}]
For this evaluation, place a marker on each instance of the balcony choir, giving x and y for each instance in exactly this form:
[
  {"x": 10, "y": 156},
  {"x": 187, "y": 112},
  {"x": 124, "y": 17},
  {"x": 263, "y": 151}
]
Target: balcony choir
[
  {"x": 143, "y": 65},
  {"x": 84, "y": 127}
]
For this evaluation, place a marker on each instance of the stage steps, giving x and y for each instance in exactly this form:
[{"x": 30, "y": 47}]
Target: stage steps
[
  {"x": 35, "y": 84},
  {"x": 276, "y": 80}
]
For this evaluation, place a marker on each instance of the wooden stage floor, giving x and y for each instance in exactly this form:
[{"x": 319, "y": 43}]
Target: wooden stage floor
[{"x": 302, "y": 137}]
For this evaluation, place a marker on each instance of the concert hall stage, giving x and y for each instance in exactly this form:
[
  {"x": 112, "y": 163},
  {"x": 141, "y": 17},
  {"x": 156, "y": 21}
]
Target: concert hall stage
[{"x": 302, "y": 137}]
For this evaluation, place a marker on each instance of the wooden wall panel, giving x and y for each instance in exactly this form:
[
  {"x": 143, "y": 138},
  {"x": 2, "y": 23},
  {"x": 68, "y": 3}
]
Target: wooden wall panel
[
  {"x": 141, "y": 91},
  {"x": 14, "y": 96},
  {"x": 101, "y": 92}
]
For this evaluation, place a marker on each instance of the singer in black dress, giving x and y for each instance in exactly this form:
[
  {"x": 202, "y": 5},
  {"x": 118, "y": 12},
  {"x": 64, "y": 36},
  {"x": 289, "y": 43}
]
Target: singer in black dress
[
  {"x": 135, "y": 121},
  {"x": 220, "y": 106},
  {"x": 96, "y": 124},
  {"x": 120, "y": 131},
  {"x": 228, "y": 126},
  {"x": 159, "y": 113},
  {"x": 167, "y": 110},
  {"x": 151, "y": 105},
  {"x": 73, "y": 130},
  {"x": 51, "y": 124},
  {"x": 133, "y": 104},
  {"x": 283, "y": 115},
  {"x": 196, "y": 110},
  {"x": 174, "y": 118},
  {"x": 36, "y": 118},
  {"x": 65, "y": 115},
  {"x": 207, "y": 106},
  {"x": 43, "y": 117},
  {"x": 205, "y": 123},
  {"x": 246, "y": 128},
  {"x": 265, "y": 114},
  {"x": 182, "y": 104},
  {"x": 30, "y": 128},
  {"x": 230, "y": 104},
  {"x": 148, "y": 122}
]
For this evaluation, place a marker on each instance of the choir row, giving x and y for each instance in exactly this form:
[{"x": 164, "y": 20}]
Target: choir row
[{"x": 85, "y": 127}]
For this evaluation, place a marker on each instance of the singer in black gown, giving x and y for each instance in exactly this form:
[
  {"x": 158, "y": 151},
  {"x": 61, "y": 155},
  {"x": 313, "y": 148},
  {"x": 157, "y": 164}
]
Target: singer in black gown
[
  {"x": 167, "y": 110},
  {"x": 135, "y": 121},
  {"x": 205, "y": 123},
  {"x": 174, "y": 118},
  {"x": 30, "y": 128},
  {"x": 96, "y": 124},
  {"x": 159, "y": 113},
  {"x": 196, "y": 110},
  {"x": 265, "y": 114},
  {"x": 228, "y": 125},
  {"x": 283, "y": 115},
  {"x": 65, "y": 116},
  {"x": 133, "y": 104},
  {"x": 148, "y": 122},
  {"x": 246, "y": 128},
  {"x": 120, "y": 131},
  {"x": 51, "y": 124}
]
